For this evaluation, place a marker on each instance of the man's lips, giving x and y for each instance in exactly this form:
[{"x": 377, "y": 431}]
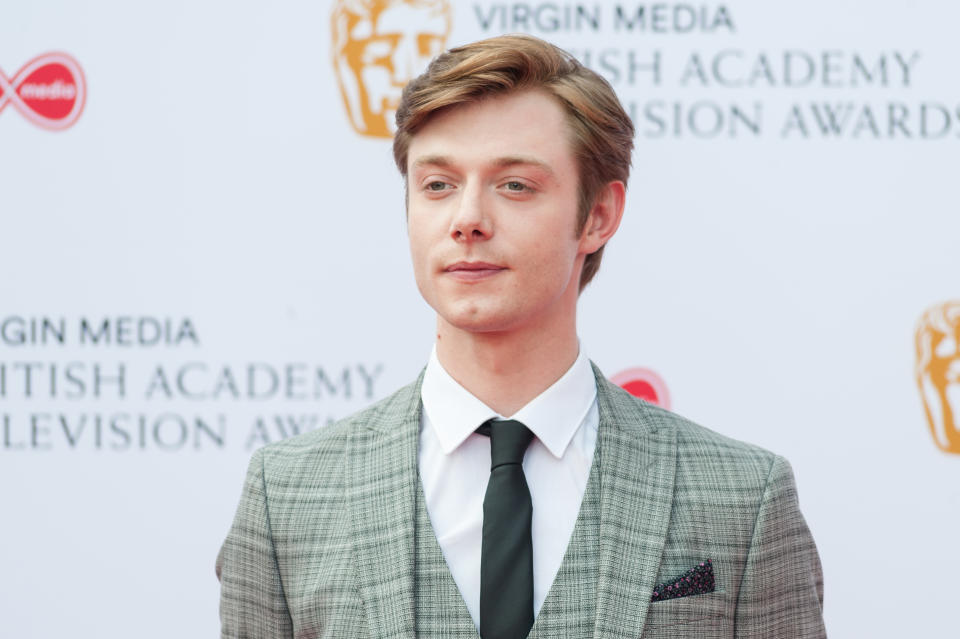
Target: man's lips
[{"x": 471, "y": 271}]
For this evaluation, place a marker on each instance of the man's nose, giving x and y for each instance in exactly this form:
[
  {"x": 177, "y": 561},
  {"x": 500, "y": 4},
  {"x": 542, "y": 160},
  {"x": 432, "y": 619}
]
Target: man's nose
[{"x": 471, "y": 221}]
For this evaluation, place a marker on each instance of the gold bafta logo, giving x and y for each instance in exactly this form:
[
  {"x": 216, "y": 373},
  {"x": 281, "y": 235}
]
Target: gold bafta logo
[
  {"x": 938, "y": 372},
  {"x": 379, "y": 46}
]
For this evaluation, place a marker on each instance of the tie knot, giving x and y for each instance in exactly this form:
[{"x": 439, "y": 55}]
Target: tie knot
[{"x": 508, "y": 441}]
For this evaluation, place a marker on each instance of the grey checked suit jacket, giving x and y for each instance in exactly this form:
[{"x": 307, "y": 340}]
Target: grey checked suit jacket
[{"x": 322, "y": 543}]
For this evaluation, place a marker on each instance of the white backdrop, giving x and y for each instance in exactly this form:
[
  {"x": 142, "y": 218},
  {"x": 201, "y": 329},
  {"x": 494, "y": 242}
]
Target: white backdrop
[{"x": 793, "y": 212}]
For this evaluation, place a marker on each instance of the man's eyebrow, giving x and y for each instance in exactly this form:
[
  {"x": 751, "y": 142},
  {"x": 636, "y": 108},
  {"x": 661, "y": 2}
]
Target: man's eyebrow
[
  {"x": 507, "y": 161},
  {"x": 515, "y": 160},
  {"x": 432, "y": 160}
]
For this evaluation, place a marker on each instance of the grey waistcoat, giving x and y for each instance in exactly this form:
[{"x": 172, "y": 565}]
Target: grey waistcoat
[{"x": 570, "y": 607}]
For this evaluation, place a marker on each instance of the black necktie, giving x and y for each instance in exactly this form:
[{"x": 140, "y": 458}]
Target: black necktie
[{"x": 506, "y": 558}]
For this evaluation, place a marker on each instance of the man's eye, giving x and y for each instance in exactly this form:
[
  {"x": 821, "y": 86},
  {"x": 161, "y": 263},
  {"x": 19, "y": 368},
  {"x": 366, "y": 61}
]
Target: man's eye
[
  {"x": 516, "y": 186},
  {"x": 436, "y": 186}
]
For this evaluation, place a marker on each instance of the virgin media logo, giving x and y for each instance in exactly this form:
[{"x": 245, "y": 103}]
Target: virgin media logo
[
  {"x": 645, "y": 384},
  {"x": 50, "y": 91}
]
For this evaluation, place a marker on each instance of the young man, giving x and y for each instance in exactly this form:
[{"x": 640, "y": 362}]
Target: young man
[{"x": 587, "y": 513}]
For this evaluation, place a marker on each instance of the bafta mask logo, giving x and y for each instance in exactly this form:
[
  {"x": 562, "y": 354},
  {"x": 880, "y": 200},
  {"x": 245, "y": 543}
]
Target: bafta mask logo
[
  {"x": 379, "y": 46},
  {"x": 938, "y": 372}
]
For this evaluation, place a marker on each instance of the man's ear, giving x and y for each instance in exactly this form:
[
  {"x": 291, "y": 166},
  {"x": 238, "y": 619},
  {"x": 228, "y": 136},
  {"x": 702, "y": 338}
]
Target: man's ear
[{"x": 604, "y": 218}]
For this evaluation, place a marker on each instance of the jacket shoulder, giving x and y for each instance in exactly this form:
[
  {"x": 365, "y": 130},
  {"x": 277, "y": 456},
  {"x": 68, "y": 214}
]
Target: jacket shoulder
[
  {"x": 701, "y": 452},
  {"x": 328, "y": 446}
]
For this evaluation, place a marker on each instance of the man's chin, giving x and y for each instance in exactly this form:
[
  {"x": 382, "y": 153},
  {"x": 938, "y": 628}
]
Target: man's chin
[{"x": 476, "y": 320}]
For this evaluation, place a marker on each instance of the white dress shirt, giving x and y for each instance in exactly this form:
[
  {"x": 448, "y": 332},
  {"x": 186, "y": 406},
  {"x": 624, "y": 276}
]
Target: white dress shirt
[{"x": 454, "y": 464}]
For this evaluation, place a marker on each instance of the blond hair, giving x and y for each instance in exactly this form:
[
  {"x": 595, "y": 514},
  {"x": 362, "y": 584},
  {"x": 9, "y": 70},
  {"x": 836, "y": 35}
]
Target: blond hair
[{"x": 602, "y": 133}]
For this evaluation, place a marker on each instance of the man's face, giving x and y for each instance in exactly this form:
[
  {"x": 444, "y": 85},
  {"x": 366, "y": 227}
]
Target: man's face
[
  {"x": 492, "y": 214},
  {"x": 384, "y": 49}
]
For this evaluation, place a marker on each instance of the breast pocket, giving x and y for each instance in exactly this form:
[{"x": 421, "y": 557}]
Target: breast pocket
[{"x": 701, "y": 616}]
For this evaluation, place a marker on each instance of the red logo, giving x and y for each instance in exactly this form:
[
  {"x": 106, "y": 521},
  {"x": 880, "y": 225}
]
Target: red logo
[
  {"x": 645, "y": 384},
  {"x": 50, "y": 90}
]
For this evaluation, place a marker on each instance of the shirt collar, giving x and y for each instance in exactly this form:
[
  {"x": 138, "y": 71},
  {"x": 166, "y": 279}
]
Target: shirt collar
[{"x": 554, "y": 415}]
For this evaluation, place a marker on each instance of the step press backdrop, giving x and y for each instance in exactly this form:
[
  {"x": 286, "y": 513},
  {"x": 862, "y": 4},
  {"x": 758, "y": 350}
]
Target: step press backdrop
[{"x": 202, "y": 250}]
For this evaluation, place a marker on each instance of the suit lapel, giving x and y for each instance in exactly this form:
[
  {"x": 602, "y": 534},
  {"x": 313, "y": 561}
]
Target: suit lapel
[
  {"x": 383, "y": 497},
  {"x": 638, "y": 464}
]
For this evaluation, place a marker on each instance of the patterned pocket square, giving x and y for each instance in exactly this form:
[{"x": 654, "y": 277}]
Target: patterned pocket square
[{"x": 697, "y": 581}]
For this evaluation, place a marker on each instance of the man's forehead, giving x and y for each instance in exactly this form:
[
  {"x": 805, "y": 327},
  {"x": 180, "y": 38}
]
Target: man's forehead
[{"x": 499, "y": 111}]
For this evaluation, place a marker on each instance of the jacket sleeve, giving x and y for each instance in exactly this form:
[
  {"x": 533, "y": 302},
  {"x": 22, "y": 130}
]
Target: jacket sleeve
[
  {"x": 252, "y": 601},
  {"x": 781, "y": 594}
]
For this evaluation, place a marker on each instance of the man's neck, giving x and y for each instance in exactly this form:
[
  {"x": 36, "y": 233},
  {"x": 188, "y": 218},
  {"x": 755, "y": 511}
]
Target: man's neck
[{"x": 506, "y": 370}]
